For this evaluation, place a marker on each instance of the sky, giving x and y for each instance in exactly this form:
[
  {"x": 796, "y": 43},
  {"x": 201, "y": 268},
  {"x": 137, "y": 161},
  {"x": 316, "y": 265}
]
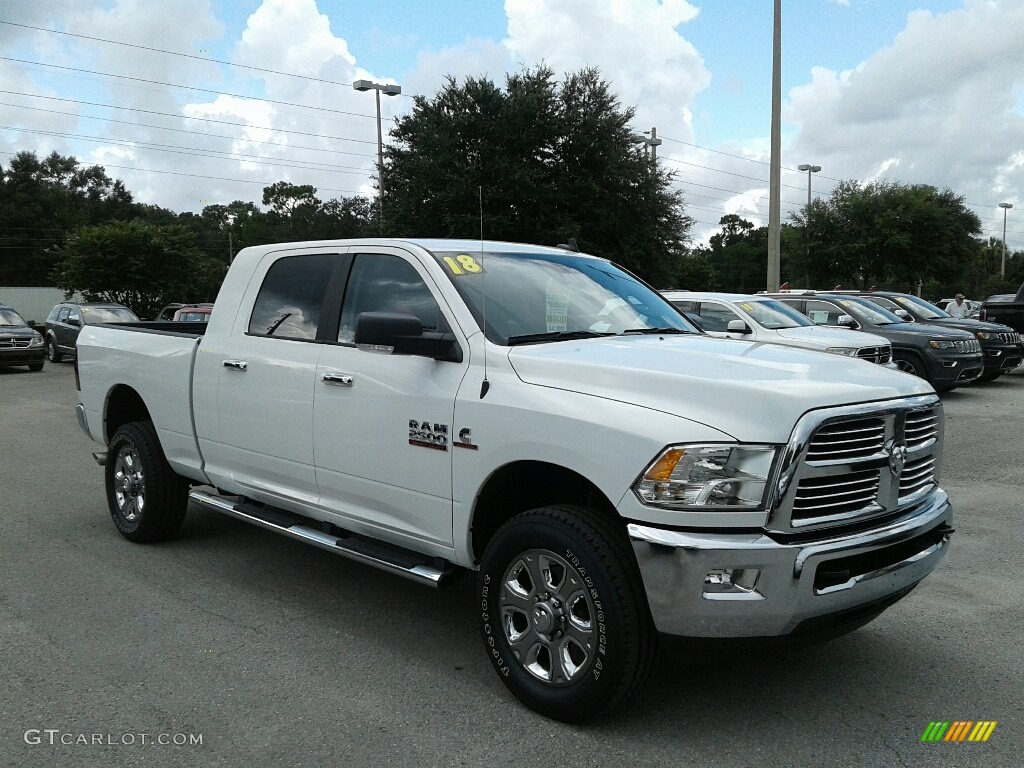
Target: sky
[{"x": 199, "y": 102}]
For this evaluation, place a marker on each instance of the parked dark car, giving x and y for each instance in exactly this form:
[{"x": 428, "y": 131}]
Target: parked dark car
[
  {"x": 944, "y": 357},
  {"x": 66, "y": 320},
  {"x": 1001, "y": 345},
  {"x": 20, "y": 344},
  {"x": 1011, "y": 313}
]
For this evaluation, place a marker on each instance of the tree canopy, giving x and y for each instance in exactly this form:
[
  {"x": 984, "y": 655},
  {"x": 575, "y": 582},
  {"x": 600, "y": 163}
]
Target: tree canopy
[
  {"x": 143, "y": 266},
  {"x": 550, "y": 160}
]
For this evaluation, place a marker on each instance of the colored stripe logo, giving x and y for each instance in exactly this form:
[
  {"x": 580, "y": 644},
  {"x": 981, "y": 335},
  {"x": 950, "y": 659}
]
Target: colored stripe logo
[{"x": 959, "y": 730}]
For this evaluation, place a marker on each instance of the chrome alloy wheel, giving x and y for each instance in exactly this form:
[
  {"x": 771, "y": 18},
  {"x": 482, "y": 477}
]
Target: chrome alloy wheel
[
  {"x": 548, "y": 617},
  {"x": 907, "y": 367},
  {"x": 129, "y": 484}
]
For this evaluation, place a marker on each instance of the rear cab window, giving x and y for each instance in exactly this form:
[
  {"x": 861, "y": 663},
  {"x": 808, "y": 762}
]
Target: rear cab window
[{"x": 291, "y": 299}]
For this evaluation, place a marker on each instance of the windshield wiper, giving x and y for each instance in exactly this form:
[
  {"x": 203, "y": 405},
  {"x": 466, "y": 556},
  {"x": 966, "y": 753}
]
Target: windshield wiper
[
  {"x": 655, "y": 330},
  {"x": 532, "y": 338}
]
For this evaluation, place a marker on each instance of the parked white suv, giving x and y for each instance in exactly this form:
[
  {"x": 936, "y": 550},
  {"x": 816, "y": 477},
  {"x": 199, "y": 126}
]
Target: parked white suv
[{"x": 769, "y": 321}]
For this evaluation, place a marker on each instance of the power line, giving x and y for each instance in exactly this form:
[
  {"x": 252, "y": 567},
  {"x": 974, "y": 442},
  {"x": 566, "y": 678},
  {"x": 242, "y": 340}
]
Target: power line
[
  {"x": 179, "y": 53},
  {"x": 212, "y": 154},
  {"x": 186, "y": 87},
  {"x": 186, "y": 117},
  {"x": 183, "y": 130}
]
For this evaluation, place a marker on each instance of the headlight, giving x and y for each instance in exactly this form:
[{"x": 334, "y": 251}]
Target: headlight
[
  {"x": 37, "y": 340},
  {"x": 848, "y": 351},
  {"x": 942, "y": 344},
  {"x": 700, "y": 477}
]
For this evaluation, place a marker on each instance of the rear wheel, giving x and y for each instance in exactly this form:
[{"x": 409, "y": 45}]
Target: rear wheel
[
  {"x": 52, "y": 353},
  {"x": 147, "y": 499},
  {"x": 564, "y": 613}
]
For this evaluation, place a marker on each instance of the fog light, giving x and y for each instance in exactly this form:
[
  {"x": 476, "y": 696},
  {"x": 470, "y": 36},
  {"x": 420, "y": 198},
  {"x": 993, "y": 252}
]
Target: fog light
[{"x": 732, "y": 584}]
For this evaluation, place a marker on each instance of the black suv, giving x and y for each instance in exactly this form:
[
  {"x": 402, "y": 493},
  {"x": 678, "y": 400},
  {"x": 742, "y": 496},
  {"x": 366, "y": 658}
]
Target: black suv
[
  {"x": 944, "y": 357},
  {"x": 66, "y": 320},
  {"x": 19, "y": 343},
  {"x": 1000, "y": 344}
]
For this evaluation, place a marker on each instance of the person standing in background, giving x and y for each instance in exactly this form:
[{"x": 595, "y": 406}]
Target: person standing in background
[{"x": 957, "y": 307}]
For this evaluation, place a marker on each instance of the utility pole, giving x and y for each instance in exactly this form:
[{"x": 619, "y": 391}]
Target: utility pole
[{"x": 775, "y": 175}]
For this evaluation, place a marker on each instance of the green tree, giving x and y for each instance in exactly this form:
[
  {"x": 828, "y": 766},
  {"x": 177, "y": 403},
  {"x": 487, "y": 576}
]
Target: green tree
[
  {"x": 886, "y": 233},
  {"x": 43, "y": 200},
  {"x": 142, "y": 266},
  {"x": 551, "y": 161}
]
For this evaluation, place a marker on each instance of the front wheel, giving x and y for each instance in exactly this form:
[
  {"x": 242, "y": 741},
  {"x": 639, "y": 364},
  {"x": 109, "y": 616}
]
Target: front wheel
[
  {"x": 564, "y": 614},
  {"x": 35, "y": 367},
  {"x": 147, "y": 499},
  {"x": 912, "y": 366},
  {"x": 52, "y": 353}
]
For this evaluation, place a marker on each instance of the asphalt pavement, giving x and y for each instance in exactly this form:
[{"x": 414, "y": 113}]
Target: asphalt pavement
[{"x": 231, "y": 646}]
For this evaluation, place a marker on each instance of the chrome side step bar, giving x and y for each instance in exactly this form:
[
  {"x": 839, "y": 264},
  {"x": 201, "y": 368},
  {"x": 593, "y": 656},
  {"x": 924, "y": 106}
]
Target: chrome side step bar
[{"x": 403, "y": 562}]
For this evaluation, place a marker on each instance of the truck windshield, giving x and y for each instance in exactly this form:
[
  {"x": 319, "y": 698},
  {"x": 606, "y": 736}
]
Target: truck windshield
[
  {"x": 920, "y": 308},
  {"x": 774, "y": 315},
  {"x": 867, "y": 312},
  {"x": 537, "y": 297},
  {"x": 10, "y": 317},
  {"x": 94, "y": 315}
]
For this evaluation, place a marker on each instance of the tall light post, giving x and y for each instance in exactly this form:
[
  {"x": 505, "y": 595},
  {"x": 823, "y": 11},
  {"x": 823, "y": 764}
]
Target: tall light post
[
  {"x": 775, "y": 167},
  {"x": 389, "y": 90},
  {"x": 1002, "y": 266},
  {"x": 807, "y": 223}
]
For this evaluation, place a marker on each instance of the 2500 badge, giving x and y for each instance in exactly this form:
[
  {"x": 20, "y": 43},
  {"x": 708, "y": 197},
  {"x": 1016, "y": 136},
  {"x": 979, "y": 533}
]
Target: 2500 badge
[{"x": 427, "y": 435}]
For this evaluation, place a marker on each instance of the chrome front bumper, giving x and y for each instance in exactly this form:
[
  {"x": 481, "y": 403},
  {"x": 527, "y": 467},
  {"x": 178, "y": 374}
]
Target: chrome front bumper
[{"x": 719, "y": 585}]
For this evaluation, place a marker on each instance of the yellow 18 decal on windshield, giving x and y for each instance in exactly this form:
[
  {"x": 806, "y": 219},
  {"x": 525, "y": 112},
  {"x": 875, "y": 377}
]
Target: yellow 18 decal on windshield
[{"x": 463, "y": 264}]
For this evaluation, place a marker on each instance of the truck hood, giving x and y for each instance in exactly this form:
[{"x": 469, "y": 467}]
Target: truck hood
[
  {"x": 754, "y": 392},
  {"x": 829, "y": 337}
]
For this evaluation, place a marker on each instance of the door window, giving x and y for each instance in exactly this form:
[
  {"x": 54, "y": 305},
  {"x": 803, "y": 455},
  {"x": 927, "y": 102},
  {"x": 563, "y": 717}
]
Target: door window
[
  {"x": 716, "y": 317},
  {"x": 386, "y": 283},
  {"x": 291, "y": 298}
]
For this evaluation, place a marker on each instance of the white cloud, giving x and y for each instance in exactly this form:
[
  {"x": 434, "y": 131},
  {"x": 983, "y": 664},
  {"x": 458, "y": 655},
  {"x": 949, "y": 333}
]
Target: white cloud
[{"x": 939, "y": 106}]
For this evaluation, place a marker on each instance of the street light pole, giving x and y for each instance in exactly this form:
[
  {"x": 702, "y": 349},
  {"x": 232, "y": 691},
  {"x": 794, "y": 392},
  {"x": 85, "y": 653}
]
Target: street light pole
[
  {"x": 1002, "y": 266},
  {"x": 389, "y": 90},
  {"x": 775, "y": 168},
  {"x": 807, "y": 223}
]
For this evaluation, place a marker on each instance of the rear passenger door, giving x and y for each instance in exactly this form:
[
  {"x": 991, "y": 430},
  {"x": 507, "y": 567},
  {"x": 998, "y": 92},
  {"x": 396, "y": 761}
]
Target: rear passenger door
[
  {"x": 382, "y": 423},
  {"x": 255, "y": 413}
]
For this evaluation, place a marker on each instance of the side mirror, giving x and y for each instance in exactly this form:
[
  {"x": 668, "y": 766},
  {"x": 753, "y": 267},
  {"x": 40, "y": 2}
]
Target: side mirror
[
  {"x": 31, "y": 323},
  {"x": 846, "y": 321},
  {"x": 737, "y": 326},
  {"x": 903, "y": 313},
  {"x": 74, "y": 321},
  {"x": 401, "y": 334}
]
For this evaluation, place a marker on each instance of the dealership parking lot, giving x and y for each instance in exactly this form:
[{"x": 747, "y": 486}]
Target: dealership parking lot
[{"x": 274, "y": 653}]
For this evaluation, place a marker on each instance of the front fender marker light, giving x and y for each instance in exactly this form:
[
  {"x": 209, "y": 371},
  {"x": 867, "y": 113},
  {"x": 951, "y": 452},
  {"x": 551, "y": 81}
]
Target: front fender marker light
[{"x": 661, "y": 471}]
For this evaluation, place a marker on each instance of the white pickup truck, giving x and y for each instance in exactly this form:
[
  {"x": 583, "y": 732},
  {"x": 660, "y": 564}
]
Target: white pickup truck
[{"x": 542, "y": 418}]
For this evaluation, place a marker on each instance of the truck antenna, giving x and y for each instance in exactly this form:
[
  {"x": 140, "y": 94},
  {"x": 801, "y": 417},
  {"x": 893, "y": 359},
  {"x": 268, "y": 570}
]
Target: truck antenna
[{"x": 485, "y": 384}]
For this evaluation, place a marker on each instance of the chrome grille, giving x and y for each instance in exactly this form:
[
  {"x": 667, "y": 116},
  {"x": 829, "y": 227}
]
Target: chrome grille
[
  {"x": 848, "y": 465},
  {"x": 967, "y": 346},
  {"x": 1008, "y": 338},
  {"x": 917, "y": 475},
  {"x": 878, "y": 355},
  {"x": 835, "y": 496},
  {"x": 14, "y": 343},
  {"x": 922, "y": 429},
  {"x": 847, "y": 440}
]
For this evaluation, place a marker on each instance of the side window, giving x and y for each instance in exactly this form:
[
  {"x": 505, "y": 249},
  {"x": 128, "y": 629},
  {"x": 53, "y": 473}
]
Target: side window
[
  {"x": 823, "y": 313},
  {"x": 292, "y": 296},
  {"x": 62, "y": 316},
  {"x": 685, "y": 306},
  {"x": 716, "y": 317},
  {"x": 74, "y": 315},
  {"x": 386, "y": 283}
]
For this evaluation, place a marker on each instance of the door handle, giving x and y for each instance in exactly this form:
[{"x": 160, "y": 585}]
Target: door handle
[
  {"x": 238, "y": 365},
  {"x": 338, "y": 379}
]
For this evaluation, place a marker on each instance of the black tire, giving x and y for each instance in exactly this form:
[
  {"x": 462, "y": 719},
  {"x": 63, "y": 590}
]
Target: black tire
[
  {"x": 989, "y": 376},
  {"x": 35, "y": 367},
  {"x": 52, "y": 353},
  {"x": 147, "y": 499},
  {"x": 912, "y": 364},
  {"x": 592, "y": 580}
]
